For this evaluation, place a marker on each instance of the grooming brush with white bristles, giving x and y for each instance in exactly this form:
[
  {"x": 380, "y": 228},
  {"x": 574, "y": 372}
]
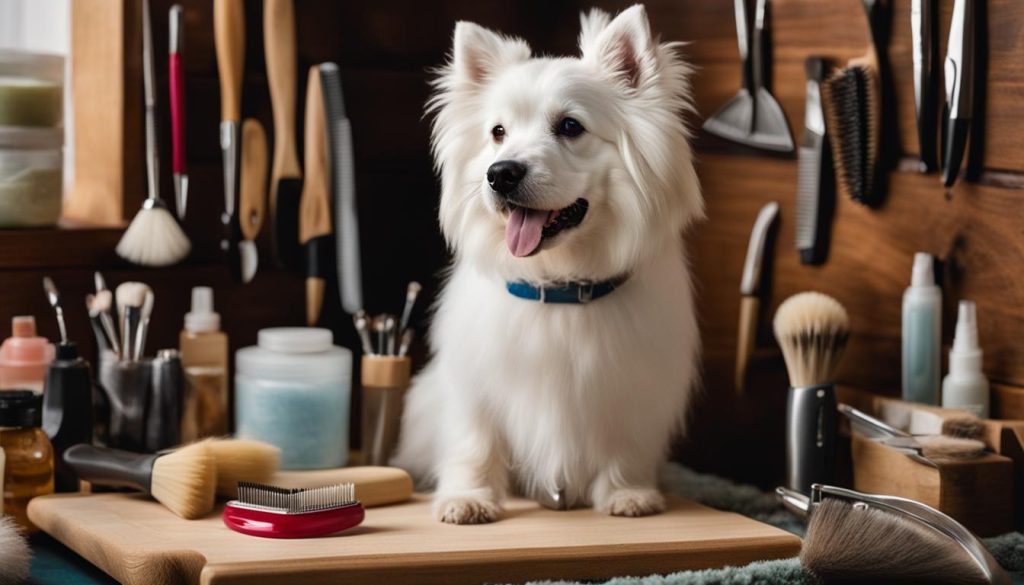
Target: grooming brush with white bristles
[
  {"x": 154, "y": 237},
  {"x": 131, "y": 301},
  {"x": 275, "y": 512},
  {"x": 812, "y": 329}
]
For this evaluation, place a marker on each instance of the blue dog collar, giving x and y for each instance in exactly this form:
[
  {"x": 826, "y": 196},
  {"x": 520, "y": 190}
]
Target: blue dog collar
[{"x": 578, "y": 293}]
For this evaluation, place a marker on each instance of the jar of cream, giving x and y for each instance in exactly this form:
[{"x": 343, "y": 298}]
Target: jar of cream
[{"x": 293, "y": 390}]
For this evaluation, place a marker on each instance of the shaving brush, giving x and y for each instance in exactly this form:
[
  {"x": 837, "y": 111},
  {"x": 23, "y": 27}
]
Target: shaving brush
[{"x": 812, "y": 329}]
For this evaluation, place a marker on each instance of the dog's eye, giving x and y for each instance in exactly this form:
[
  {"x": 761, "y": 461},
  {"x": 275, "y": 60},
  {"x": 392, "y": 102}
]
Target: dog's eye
[
  {"x": 569, "y": 127},
  {"x": 498, "y": 132}
]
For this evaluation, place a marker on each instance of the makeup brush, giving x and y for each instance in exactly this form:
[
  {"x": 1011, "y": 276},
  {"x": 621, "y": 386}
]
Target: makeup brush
[
  {"x": 812, "y": 330},
  {"x": 407, "y": 336},
  {"x": 183, "y": 480},
  {"x": 15, "y": 555},
  {"x": 154, "y": 238},
  {"x": 143, "y": 329},
  {"x": 242, "y": 460},
  {"x": 864, "y": 538},
  {"x": 381, "y": 329},
  {"x": 53, "y": 296},
  {"x": 99, "y": 312},
  {"x": 130, "y": 296},
  {"x": 391, "y": 333},
  {"x": 411, "y": 293},
  {"x": 362, "y": 325}
]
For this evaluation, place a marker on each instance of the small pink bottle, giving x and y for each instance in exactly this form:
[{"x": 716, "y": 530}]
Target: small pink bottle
[{"x": 24, "y": 356}]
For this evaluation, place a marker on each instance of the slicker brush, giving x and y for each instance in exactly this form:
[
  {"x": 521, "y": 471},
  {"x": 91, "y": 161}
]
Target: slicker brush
[
  {"x": 242, "y": 460},
  {"x": 183, "y": 480},
  {"x": 812, "y": 329}
]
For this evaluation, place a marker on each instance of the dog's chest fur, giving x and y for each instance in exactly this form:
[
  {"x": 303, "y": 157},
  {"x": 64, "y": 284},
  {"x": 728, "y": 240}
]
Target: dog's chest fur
[{"x": 570, "y": 387}]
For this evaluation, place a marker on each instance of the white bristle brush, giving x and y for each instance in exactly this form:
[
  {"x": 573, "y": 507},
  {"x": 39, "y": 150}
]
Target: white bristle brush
[
  {"x": 143, "y": 330},
  {"x": 130, "y": 297},
  {"x": 99, "y": 311},
  {"x": 15, "y": 555},
  {"x": 411, "y": 293},
  {"x": 812, "y": 329},
  {"x": 154, "y": 237}
]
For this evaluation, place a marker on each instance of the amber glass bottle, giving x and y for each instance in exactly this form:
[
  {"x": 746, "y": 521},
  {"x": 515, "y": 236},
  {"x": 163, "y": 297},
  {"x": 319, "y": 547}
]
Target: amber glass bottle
[
  {"x": 28, "y": 470},
  {"x": 204, "y": 356}
]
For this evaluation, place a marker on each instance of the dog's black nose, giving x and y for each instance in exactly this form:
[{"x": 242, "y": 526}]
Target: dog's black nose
[{"x": 504, "y": 176}]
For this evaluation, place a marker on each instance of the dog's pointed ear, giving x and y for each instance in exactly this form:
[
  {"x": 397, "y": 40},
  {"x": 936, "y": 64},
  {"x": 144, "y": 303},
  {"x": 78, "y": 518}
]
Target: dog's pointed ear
[
  {"x": 477, "y": 52},
  {"x": 622, "y": 47}
]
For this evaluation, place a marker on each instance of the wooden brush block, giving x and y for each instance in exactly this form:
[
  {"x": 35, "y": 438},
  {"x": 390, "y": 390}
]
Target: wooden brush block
[
  {"x": 1007, "y": 402},
  {"x": 137, "y": 541},
  {"x": 976, "y": 492},
  {"x": 1006, "y": 437}
]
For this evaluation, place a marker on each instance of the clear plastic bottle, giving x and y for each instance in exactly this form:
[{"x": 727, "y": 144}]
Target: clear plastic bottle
[
  {"x": 28, "y": 470},
  {"x": 922, "y": 332},
  {"x": 966, "y": 386},
  {"x": 204, "y": 357}
]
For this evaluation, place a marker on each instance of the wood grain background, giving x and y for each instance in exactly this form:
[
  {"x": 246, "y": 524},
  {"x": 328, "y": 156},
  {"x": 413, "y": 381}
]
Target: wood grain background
[{"x": 385, "y": 49}]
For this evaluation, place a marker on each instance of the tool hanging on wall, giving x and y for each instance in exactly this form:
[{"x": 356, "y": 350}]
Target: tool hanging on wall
[
  {"x": 960, "y": 65},
  {"x": 315, "y": 206},
  {"x": 815, "y": 196},
  {"x": 229, "y": 38},
  {"x": 752, "y": 287},
  {"x": 753, "y": 117},
  {"x": 859, "y": 112},
  {"x": 924, "y": 28},
  {"x": 286, "y": 176},
  {"x": 252, "y": 195},
  {"x": 343, "y": 184},
  {"x": 177, "y": 94},
  {"x": 154, "y": 238}
]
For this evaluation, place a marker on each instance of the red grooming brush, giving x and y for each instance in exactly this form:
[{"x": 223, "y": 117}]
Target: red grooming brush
[{"x": 274, "y": 512}]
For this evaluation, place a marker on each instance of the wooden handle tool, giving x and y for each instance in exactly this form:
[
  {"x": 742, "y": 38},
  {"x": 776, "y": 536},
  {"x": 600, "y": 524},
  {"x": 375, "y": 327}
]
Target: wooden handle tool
[
  {"x": 286, "y": 176},
  {"x": 749, "y": 309},
  {"x": 315, "y": 207},
  {"x": 253, "y": 192},
  {"x": 229, "y": 38}
]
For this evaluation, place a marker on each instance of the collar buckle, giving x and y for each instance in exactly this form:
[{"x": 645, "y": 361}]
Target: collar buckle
[{"x": 585, "y": 292}]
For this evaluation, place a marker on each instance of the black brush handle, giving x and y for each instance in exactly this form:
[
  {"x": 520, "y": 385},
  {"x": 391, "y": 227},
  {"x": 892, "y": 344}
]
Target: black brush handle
[
  {"x": 811, "y": 422},
  {"x": 927, "y": 84},
  {"x": 111, "y": 467},
  {"x": 743, "y": 39},
  {"x": 955, "y": 142}
]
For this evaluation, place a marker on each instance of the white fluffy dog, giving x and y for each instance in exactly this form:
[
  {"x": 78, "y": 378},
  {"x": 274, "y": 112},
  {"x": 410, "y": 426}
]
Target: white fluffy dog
[{"x": 566, "y": 344}]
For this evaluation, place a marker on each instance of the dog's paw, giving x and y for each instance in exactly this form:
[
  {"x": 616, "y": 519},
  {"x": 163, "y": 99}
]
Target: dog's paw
[
  {"x": 633, "y": 502},
  {"x": 466, "y": 509}
]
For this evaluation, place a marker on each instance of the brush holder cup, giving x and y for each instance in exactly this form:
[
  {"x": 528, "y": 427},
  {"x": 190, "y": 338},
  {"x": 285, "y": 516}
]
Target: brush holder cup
[
  {"x": 292, "y": 390},
  {"x": 385, "y": 379},
  {"x": 811, "y": 423},
  {"x": 143, "y": 402}
]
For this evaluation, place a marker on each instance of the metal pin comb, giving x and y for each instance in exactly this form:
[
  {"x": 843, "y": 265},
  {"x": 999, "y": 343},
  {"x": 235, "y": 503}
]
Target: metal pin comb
[{"x": 276, "y": 512}]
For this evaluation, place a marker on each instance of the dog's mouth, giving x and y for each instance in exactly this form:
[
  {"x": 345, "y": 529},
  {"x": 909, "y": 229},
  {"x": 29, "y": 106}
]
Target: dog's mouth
[{"x": 527, "y": 228}]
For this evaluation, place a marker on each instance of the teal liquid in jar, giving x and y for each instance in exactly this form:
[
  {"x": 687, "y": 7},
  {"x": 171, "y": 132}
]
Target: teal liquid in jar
[{"x": 293, "y": 390}]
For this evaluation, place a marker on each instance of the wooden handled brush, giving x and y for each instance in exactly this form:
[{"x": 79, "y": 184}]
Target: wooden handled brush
[
  {"x": 252, "y": 200},
  {"x": 315, "y": 207}
]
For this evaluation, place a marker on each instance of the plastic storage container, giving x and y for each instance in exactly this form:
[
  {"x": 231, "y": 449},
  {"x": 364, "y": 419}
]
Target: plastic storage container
[
  {"x": 31, "y": 89},
  {"x": 28, "y": 470},
  {"x": 293, "y": 390},
  {"x": 31, "y": 176},
  {"x": 24, "y": 356}
]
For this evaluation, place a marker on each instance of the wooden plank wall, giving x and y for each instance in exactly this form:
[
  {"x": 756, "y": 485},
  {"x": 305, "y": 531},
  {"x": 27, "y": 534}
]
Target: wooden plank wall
[{"x": 384, "y": 50}]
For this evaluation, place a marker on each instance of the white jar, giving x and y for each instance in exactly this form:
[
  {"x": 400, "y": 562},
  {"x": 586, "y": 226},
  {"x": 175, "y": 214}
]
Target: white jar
[
  {"x": 293, "y": 390},
  {"x": 31, "y": 176}
]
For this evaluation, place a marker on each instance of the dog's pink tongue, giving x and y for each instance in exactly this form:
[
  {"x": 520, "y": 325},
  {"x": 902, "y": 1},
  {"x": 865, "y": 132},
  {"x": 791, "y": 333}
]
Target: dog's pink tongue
[{"x": 524, "y": 230}]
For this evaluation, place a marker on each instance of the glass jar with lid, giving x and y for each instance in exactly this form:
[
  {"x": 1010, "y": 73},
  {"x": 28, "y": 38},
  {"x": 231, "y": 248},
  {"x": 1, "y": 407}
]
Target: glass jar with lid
[{"x": 28, "y": 469}]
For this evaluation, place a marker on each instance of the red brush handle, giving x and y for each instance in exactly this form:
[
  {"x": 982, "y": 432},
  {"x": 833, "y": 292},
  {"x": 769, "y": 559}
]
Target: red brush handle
[
  {"x": 177, "y": 113},
  {"x": 280, "y": 525}
]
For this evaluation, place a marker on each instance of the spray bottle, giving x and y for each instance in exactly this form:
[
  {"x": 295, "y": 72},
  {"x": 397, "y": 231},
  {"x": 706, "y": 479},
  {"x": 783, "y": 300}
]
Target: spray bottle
[
  {"x": 966, "y": 386},
  {"x": 922, "y": 332}
]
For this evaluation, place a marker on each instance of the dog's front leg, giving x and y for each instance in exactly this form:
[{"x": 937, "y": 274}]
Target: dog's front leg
[
  {"x": 473, "y": 478},
  {"x": 628, "y": 488}
]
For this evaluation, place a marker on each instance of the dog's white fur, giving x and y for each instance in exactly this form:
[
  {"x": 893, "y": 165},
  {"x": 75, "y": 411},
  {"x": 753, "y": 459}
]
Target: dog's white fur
[{"x": 541, "y": 397}]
